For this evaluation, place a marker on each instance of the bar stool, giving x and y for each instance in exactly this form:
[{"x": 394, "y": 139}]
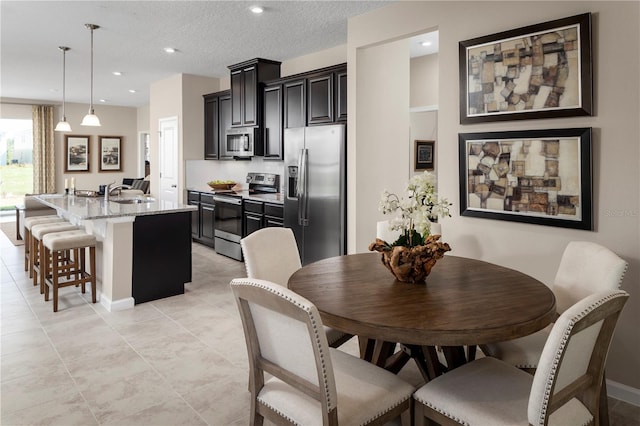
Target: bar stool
[
  {"x": 28, "y": 223},
  {"x": 37, "y": 232},
  {"x": 56, "y": 245}
]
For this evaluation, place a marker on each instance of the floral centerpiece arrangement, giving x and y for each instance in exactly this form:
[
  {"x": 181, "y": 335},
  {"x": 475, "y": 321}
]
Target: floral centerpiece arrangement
[{"x": 411, "y": 257}]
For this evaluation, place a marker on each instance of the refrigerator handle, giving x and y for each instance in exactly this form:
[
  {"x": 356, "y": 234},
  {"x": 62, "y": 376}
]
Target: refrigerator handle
[
  {"x": 299, "y": 186},
  {"x": 303, "y": 217}
]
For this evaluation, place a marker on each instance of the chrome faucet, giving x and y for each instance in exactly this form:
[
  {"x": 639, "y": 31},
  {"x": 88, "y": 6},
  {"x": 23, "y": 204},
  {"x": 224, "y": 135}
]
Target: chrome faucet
[{"x": 109, "y": 189}]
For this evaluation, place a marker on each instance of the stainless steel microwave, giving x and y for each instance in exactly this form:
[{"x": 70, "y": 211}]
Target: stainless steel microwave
[{"x": 239, "y": 143}]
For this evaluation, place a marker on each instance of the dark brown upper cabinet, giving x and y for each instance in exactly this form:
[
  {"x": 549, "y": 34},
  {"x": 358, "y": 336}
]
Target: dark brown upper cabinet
[
  {"x": 320, "y": 103},
  {"x": 341, "y": 96},
  {"x": 314, "y": 98},
  {"x": 217, "y": 119},
  {"x": 246, "y": 90},
  {"x": 295, "y": 104},
  {"x": 272, "y": 133}
]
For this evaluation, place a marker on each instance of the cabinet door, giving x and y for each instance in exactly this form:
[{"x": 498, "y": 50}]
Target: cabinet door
[
  {"x": 295, "y": 105},
  {"x": 211, "y": 134},
  {"x": 236, "y": 98},
  {"x": 207, "y": 218},
  {"x": 252, "y": 222},
  {"x": 224, "y": 117},
  {"x": 272, "y": 136},
  {"x": 341, "y": 96},
  {"x": 195, "y": 220},
  {"x": 250, "y": 96},
  {"x": 320, "y": 102}
]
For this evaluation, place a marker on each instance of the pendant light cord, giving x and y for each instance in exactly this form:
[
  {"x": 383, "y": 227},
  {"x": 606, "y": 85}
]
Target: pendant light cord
[
  {"x": 64, "y": 63},
  {"x": 91, "y": 90}
]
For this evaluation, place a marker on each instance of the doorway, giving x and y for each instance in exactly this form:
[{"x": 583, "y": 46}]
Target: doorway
[
  {"x": 168, "y": 161},
  {"x": 143, "y": 154}
]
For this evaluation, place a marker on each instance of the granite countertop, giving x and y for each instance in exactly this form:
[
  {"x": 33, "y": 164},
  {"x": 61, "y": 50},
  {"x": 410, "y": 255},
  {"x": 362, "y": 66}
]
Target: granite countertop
[
  {"x": 89, "y": 208},
  {"x": 277, "y": 198}
]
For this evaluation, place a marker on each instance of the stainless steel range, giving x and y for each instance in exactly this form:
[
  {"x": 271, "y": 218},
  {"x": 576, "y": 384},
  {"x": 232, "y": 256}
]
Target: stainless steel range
[{"x": 228, "y": 212}]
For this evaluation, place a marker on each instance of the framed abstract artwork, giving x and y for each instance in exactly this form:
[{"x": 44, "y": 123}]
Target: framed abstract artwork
[
  {"x": 77, "y": 153},
  {"x": 538, "y": 176},
  {"x": 539, "y": 71}
]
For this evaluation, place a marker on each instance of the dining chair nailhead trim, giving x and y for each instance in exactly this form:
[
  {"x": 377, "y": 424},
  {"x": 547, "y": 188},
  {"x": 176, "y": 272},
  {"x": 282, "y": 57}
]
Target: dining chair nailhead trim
[
  {"x": 559, "y": 352},
  {"x": 380, "y": 413},
  {"x": 330, "y": 404},
  {"x": 280, "y": 413},
  {"x": 443, "y": 412}
]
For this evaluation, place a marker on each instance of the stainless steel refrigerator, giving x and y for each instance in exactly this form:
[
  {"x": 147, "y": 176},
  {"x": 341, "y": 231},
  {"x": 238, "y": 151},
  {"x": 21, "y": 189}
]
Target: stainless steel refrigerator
[{"x": 315, "y": 190}]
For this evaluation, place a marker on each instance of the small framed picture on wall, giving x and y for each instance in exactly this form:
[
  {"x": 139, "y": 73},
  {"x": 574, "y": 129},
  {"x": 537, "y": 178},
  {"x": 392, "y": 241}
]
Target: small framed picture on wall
[
  {"x": 77, "y": 153},
  {"x": 110, "y": 155},
  {"x": 424, "y": 154}
]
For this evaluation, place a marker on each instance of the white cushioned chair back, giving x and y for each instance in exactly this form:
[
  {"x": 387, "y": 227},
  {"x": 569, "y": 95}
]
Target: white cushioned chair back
[
  {"x": 285, "y": 329},
  {"x": 569, "y": 351},
  {"x": 586, "y": 268},
  {"x": 271, "y": 254}
]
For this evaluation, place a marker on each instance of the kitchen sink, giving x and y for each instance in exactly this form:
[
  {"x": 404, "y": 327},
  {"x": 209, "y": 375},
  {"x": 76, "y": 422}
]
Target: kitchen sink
[{"x": 140, "y": 200}]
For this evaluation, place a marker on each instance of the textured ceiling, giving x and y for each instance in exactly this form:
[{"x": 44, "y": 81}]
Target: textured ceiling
[{"x": 208, "y": 36}]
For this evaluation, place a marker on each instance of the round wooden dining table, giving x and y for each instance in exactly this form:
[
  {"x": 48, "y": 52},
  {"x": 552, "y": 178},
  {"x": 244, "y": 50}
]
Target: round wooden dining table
[{"x": 464, "y": 302}]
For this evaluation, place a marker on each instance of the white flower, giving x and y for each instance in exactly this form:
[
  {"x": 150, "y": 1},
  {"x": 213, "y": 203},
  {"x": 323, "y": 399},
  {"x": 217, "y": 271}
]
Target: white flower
[{"x": 415, "y": 211}]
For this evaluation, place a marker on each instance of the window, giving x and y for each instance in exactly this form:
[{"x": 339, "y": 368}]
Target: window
[{"x": 16, "y": 161}]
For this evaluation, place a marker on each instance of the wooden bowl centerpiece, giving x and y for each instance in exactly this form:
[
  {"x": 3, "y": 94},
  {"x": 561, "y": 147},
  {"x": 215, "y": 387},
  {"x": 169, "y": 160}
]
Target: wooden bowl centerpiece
[
  {"x": 221, "y": 185},
  {"x": 411, "y": 264}
]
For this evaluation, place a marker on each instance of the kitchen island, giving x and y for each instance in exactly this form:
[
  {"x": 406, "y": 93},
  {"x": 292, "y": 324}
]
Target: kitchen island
[{"x": 143, "y": 249}]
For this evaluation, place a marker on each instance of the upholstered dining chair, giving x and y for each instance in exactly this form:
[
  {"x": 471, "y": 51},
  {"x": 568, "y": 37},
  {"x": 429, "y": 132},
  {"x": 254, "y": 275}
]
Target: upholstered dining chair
[
  {"x": 310, "y": 383},
  {"x": 564, "y": 391},
  {"x": 272, "y": 254},
  {"x": 585, "y": 268}
]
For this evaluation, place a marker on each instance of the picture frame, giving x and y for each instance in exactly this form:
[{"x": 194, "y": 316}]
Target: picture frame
[
  {"x": 538, "y": 71},
  {"x": 110, "y": 154},
  {"x": 535, "y": 176},
  {"x": 424, "y": 154},
  {"x": 77, "y": 150}
]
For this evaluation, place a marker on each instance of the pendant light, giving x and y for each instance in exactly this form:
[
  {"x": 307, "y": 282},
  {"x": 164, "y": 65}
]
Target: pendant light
[
  {"x": 91, "y": 119},
  {"x": 63, "y": 125}
]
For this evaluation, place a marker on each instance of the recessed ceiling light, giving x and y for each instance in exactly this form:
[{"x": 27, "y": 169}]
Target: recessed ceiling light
[
  {"x": 426, "y": 43},
  {"x": 132, "y": 91},
  {"x": 117, "y": 73},
  {"x": 256, "y": 9},
  {"x": 169, "y": 49},
  {"x": 103, "y": 100}
]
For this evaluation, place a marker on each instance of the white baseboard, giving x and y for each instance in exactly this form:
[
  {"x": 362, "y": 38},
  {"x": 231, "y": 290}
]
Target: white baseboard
[
  {"x": 117, "y": 305},
  {"x": 623, "y": 392}
]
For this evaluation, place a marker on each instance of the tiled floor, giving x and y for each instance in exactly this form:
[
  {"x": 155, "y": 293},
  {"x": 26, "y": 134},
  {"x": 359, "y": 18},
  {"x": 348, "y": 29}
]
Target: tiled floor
[{"x": 175, "y": 361}]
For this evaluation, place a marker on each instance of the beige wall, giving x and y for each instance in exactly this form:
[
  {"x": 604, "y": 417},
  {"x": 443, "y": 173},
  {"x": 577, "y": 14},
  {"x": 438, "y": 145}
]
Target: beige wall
[
  {"x": 424, "y": 81},
  {"x": 193, "y": 87},
  {"x": 533, "y": 249},
  {"x": 165, "y": 100},
  {"x": 324, "y": 58},
  {"x": 179, "y": 96},
  {"x": 143, "y": 119},
  {"x": 116, "y": 121}
]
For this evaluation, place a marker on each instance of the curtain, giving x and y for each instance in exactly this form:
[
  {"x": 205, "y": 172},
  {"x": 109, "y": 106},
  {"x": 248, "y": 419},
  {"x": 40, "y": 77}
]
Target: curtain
[{"x": 44, "y": 170}]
